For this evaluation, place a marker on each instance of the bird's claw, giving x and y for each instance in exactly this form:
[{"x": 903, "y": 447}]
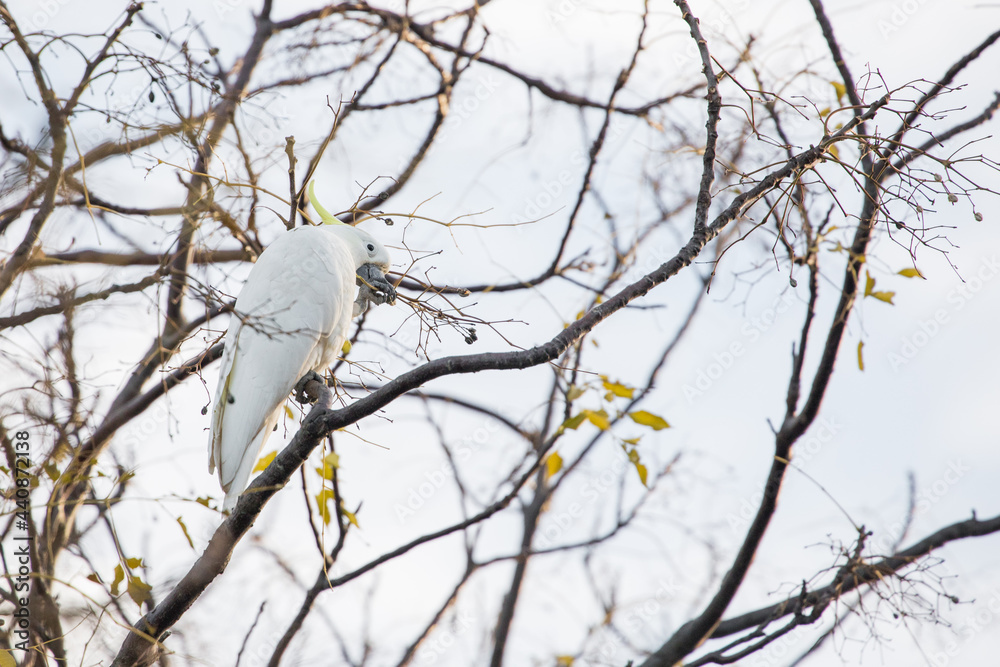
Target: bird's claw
[
  {"x": 302, "y": 395},
  {"x": 375, "y": 288}
]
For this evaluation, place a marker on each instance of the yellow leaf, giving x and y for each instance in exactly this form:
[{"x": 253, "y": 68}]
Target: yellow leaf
[
  {"x": 631, "y": 441},
  {"x": 911, "y": 273},
  {"x": 202, "y": 500},
  {"x": 598, "y": 418},
  {"x": 138, "y": 590},
  {"x": 187, "y": 535},
  {"x": 573, "y": 422},
  {"x": 350, "y": 516},
  {"x": 861, "y": 359},
  {"x": 834, "y": 151},
  {"x": 580, "y": 315},
  {"x": 841, "y": 91},
  {"x": 641, "y": 469},
  {"x": 574, "y": 392},
  {"x": 119, "y": 578},
  {"x": 345, "y": 348},
  {"x": 633, "y": 457},
  {"x": 323, "y": 499},
  {"x": 289, "y": 413},
  {"x": 52, "y": 470},
  {"x": 330, "y": 462},
  {"x": 264, "y": 461},
  {"x": 869, "y": 284},
  {"x": 617, "y": 388},
  {"x": 553, "y": 464},
  {"x": 6, "y": 659},
  {"x": 824, "y": 112},
  {"x": 134, "y": 562},
  {"x": 644, "y": 418},
  {"x": 884, "y": 296},
  {"x": 93, "y": 576},
  {"x": 564, "y": 661}
]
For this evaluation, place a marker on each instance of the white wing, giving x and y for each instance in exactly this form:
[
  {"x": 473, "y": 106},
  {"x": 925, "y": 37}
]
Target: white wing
[{"x": 292, "y": 316}]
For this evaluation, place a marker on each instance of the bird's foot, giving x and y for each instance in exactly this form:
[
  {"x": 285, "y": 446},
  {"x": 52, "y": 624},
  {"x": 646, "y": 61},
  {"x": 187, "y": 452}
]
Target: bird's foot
[
  {"x": 375, "y": 288},
  {"x": 302, "y": 394}
]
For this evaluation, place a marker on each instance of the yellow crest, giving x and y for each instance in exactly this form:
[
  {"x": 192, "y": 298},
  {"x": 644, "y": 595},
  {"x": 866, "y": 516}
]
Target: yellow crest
[{"x": 324, "y": 215}]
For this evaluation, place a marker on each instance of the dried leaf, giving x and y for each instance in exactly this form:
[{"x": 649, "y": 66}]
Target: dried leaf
[
  {"x": 644, "y": 418},
  {"x": 119, "y": 578},
  {"x": 911, "y": 273},
  {"x": 861, "y": 359},
  {"x": 633, "y": 457},
  {"x": 51, "y": 470},
  {"x": 618, "y": 389},
  {"x": 884, "y": 296},
  {"x": 350, "y": 516},
  {"x": 598, "y": 418},
  {"x": 330, "y": 462},
  {"x": 323, "y": 499},
  {"x": 869, "y": 284},
  {"x": 573, "y": 422},
  {"x": 184, "y": 528},
  {"x": 553, "y": 464},
  {"x": 138, "y": 590},
  {"x": 840, "y": 89},
  {"x": 265, "y": 460}
]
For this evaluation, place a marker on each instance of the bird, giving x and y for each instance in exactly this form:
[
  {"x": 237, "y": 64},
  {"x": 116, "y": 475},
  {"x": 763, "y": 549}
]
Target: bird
[{"x": 291, "y": 318}]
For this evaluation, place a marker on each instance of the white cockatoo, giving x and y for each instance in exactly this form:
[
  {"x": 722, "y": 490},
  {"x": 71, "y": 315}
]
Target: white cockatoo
[{"x": 291, "y": 317}]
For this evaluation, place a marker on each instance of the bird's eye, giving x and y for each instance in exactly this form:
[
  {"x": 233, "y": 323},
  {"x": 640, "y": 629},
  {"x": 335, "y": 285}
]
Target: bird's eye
[{"x": 371, "y": 247}]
